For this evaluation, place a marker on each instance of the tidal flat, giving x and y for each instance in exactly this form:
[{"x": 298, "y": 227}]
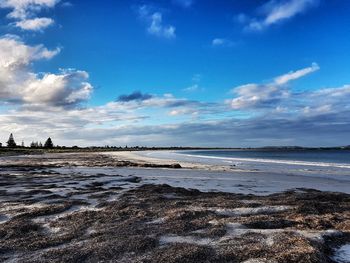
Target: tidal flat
[{"x": 88, "y": 207}]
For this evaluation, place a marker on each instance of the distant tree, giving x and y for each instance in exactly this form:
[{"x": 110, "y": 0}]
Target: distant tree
[
  {"x": 34, "y": 145},
  {"x": 11, "y": 142},
  {"x": 0, "y": 144},
  {"x": 48, "y": 143},
  {"x": 22, "y": 145},
  {"x": 40, "y": 145}
]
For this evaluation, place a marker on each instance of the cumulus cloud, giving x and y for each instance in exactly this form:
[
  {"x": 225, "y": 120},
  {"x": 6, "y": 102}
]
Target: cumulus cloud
[
  {"x": 22, "y": 9},
  {"x": 307, "y": 117},
  {"x": 18, "y": 84},
  {"x": 267, "y": 95},
  {"x": 329, "y": 100},
  {"x": 25, "y": 13},
  {"x": 157, "y": 28},
  {"x": 258, "y": 96},
  {"x": 76, "y": 127},
  {"x": 15, "y": 54},
  {"x": 35, "y": 24},
  {"x": 315, "y": 116},
  {"x": 68, "y": 88},
  {"x": 274, "y": 12},
  {"x": 155, "y": 25},
  {"x": 33, "y": 100}
]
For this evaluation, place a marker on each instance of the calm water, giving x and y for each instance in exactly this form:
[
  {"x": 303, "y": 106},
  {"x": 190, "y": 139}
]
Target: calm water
[
  {"x": 332, "y": 164},
  {"x": 305, "y": 156}
]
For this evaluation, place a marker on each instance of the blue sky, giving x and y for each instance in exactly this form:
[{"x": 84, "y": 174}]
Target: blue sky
[{"x": 176, "y": 72}]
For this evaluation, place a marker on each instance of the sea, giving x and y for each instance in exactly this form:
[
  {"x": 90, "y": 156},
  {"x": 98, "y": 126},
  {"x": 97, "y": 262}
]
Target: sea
[
  {"x": 323, "y": 163},
  {"x": 331, "y": 158}
]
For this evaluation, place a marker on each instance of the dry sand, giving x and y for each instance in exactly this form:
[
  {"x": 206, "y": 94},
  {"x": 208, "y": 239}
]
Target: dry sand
[{"x": 141, "y": 157}]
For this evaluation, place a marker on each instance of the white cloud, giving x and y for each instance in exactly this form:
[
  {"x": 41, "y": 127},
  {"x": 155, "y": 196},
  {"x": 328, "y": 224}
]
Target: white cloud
[
  {"x": 183, "y": 112},
  {"x": 330, "y": 100},
  {"x": 333, "y": 93},
  {"x": 25, "y": 13},
  {"x": 15, "y": 54},
  {"x": 218, "y": 41},
  {"x": 315, "y": 116},
  {"x": 279, "y": 12},
  {"x": 64, "y": 89},
  {"x": 192, "y": 88},
  {"x": 258, "y": 96},
  {"x": 111, "y": 125},
  {"x": 18, "y": 84},
  {"x": 195, "y": 86},
  {"x": 158, "y": 29},
  {"x": 21, "y": 9},
  {"x": 267, "y": 95},
  {"x": 296, "y": 74},
  {"x": 35, "y": 24},
  {"x": 156, "y": 26},
  {"x": 275, "y": 12},
  {"x": 67, "y": 4},
  {"x": 222, "y": 42}
]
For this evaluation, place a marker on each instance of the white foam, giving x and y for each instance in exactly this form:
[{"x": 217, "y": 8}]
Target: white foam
[{"x": 276, "y": 161}]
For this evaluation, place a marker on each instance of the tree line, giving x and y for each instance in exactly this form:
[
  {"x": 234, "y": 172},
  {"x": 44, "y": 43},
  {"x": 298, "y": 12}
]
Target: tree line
[{"x": 11, "y": 143}]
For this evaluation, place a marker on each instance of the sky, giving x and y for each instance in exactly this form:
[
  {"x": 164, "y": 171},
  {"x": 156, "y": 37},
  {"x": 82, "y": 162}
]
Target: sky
[{"x": 223, "y": 73}]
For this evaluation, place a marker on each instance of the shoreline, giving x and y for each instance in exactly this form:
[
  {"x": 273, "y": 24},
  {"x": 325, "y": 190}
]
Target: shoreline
[
  {"x": 204, "y": 177},
  {"x": 78, "y": 207},
  {"x": 139, "y": 157}
]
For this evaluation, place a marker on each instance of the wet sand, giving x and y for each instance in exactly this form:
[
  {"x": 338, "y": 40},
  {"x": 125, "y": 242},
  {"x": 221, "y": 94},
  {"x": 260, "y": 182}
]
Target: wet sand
[
  {"x": 91, "y": 208},
  {"x": 142, "y": 158}
]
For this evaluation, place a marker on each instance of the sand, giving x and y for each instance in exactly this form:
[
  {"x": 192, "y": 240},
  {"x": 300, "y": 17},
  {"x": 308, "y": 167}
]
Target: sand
[
  {"x": 142, "y": 157},
  {"x": 114, "y": 208}
]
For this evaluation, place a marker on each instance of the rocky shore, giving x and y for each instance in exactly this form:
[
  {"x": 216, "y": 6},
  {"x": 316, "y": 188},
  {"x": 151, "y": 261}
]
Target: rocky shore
[{"x": 48, "y": 216}]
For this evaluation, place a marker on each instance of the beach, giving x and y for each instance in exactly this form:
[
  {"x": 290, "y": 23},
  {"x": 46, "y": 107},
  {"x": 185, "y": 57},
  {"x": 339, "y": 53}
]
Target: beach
[{"x": 164, "y": 207}]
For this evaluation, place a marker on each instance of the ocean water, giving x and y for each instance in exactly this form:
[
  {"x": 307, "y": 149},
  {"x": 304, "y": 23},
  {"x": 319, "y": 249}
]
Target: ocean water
[
  {"x": 324, "y": 158},
  {"x": 331, "y": 164}
]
